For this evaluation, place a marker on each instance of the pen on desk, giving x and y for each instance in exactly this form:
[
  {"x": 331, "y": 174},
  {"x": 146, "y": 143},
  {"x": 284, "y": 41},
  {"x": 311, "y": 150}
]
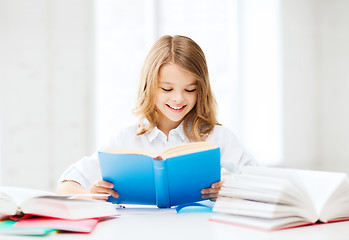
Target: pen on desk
[{"x": 119, "y": 206}]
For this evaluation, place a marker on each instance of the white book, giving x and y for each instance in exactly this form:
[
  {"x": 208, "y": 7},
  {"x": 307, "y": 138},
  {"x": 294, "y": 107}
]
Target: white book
[
  {"x": 276, "y": 198},
  {"x": 19, "y": 201}
]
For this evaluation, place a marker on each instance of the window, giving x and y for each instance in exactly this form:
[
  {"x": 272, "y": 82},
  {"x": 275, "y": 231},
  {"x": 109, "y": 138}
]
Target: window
[{"x": 240, "y": 41}]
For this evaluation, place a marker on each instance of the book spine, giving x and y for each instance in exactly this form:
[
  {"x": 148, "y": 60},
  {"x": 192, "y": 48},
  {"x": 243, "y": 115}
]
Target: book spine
[{"x": 161, "y": 184}]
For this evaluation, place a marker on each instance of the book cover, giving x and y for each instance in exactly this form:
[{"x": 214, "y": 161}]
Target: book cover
[
  {"x": 82, "y": 226},
  {"x": 7, "y": 227},
  {"x": 142, "y": 179}
]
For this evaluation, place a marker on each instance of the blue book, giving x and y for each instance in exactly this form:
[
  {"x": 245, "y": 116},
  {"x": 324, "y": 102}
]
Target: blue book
[{"x": 174, "y": 177}]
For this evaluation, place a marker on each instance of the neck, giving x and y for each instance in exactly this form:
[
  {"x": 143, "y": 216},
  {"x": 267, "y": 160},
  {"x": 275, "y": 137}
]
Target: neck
[{"x": 167, "y": 126}]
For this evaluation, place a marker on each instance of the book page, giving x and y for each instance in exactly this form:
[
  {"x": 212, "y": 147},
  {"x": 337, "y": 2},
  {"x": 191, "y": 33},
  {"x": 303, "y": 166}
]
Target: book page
[
  {"x": 293, "y": 177},
  {"x": 262, "y": 188},
  {"x": 68, "y": 208},
  {"x": 321, "y": 186},
  {"x": 187, "y": 149},
  {"x": 318, "y": 186},
  {"x": 170, "y": 152},
  {"x": 19, "y": 195},
  {"x": 134, "y": 151},
  {"x": 257, "y": 209},
  {"x": 260, "y": 223}
]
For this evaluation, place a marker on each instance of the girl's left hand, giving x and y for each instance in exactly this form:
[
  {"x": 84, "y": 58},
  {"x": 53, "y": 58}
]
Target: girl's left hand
[{"x": 212, "y": 192}]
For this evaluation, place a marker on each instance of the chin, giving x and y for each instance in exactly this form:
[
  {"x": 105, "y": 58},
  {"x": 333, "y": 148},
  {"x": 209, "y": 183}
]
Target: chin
[{"x": 176, "y": 119}]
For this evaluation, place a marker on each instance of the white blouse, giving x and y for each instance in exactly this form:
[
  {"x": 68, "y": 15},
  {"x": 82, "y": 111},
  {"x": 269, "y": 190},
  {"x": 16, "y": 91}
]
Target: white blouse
[{"x": 87, "y": 170}]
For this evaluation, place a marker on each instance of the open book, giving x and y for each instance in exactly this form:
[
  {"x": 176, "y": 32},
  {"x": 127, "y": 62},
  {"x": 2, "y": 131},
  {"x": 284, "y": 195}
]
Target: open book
[
  {"x": 278, "y": 198},
  {"x": 174, "y": 177},
  {"x": 19, "y": 201}
]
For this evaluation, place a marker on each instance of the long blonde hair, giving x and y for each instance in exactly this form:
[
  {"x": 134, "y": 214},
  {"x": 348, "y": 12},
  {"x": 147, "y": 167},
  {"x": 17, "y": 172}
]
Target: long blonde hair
[{"x": 188, "y": 55}]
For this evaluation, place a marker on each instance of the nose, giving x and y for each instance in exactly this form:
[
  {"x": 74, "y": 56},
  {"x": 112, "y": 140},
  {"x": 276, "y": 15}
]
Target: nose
[{"x": 177, "y": 96}]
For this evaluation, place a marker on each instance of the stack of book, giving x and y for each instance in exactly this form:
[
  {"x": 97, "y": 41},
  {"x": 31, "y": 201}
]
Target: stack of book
[
  {"x": 26, "y": 211},
  {"x": 278, "y": 198}
]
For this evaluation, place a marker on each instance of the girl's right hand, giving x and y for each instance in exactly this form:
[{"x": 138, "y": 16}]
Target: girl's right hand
[{"x": 103, "y": 187}]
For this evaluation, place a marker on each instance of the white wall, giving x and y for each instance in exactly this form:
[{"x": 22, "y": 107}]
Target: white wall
[
  {"x": 259, "y": 77},
  {"x": 316, "y": 84},
  {"x": 333, "y": 75},
  {"x": 300, "y": 107},
  {"x": 47, "y": 86},
  {"x": 46, "y": 89}
]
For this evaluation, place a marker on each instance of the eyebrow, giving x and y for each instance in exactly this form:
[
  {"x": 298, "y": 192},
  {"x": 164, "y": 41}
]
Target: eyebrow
[{"x": 192, "y": 84}]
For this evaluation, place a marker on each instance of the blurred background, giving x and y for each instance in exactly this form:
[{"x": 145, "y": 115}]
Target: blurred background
[{"x": 69, "y": 72}]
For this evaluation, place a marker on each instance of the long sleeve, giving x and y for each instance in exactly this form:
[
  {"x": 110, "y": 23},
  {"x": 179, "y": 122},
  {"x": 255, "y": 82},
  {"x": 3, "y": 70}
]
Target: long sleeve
[{"x": 233, "y": 155}]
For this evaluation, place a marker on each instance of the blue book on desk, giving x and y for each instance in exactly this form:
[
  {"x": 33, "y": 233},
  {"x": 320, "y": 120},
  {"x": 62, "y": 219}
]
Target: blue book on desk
[{"x": 174, "y": 177}]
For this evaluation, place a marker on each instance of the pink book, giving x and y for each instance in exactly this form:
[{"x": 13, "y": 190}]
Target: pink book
[{"x": 82, "y": 226}]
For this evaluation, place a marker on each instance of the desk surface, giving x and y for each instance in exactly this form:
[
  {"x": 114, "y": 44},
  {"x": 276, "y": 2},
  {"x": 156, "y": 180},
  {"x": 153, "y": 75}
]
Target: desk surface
[{"x": 169, "y": 225}]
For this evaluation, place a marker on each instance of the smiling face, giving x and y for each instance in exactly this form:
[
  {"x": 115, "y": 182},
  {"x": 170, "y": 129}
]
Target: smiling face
[{"x": 176, "y": 96}]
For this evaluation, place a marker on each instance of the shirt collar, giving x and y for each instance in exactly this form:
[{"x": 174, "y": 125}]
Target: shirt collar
[
  {"x": 180, "y": 131},
  {"x": 156, "y": 132},
  {"x": 153, "y": 134}
]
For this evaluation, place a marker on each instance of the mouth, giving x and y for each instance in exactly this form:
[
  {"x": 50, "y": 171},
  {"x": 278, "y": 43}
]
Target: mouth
[{"x": 176, "y": 109}]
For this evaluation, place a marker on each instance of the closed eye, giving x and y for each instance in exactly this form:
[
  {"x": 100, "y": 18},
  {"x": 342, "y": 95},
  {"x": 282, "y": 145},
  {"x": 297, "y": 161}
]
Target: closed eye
[
  {"x": 166, "y": 89},
  {"x": 192, "y": 90}
]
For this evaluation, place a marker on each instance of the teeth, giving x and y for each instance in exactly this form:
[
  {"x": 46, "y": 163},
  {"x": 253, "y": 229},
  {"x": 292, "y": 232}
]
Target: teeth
[{"x": 176, "y": 108}]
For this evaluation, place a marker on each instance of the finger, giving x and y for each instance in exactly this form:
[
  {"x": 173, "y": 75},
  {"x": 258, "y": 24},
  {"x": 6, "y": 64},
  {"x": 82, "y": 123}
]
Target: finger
[
  {"x": 209, "y": 196},
  {"x": 114, "y": 193},
  {"x": 103, "y": 190},
  {"x": 96, "y": 189},
  {"x": 105, "y": 197},
  {"x": 210, "y": 190},
  {"x": 101, "y": 198},
  {"x": 218, "y": 184},
  {"x": 102, "y": 183}
]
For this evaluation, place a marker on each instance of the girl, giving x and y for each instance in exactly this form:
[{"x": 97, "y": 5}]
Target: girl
[{"x": 176, "y": 106}]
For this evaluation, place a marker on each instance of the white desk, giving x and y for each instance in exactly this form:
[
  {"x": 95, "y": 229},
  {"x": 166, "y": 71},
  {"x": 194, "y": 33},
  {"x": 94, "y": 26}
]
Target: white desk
[{"x": 195, "y": 226}]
